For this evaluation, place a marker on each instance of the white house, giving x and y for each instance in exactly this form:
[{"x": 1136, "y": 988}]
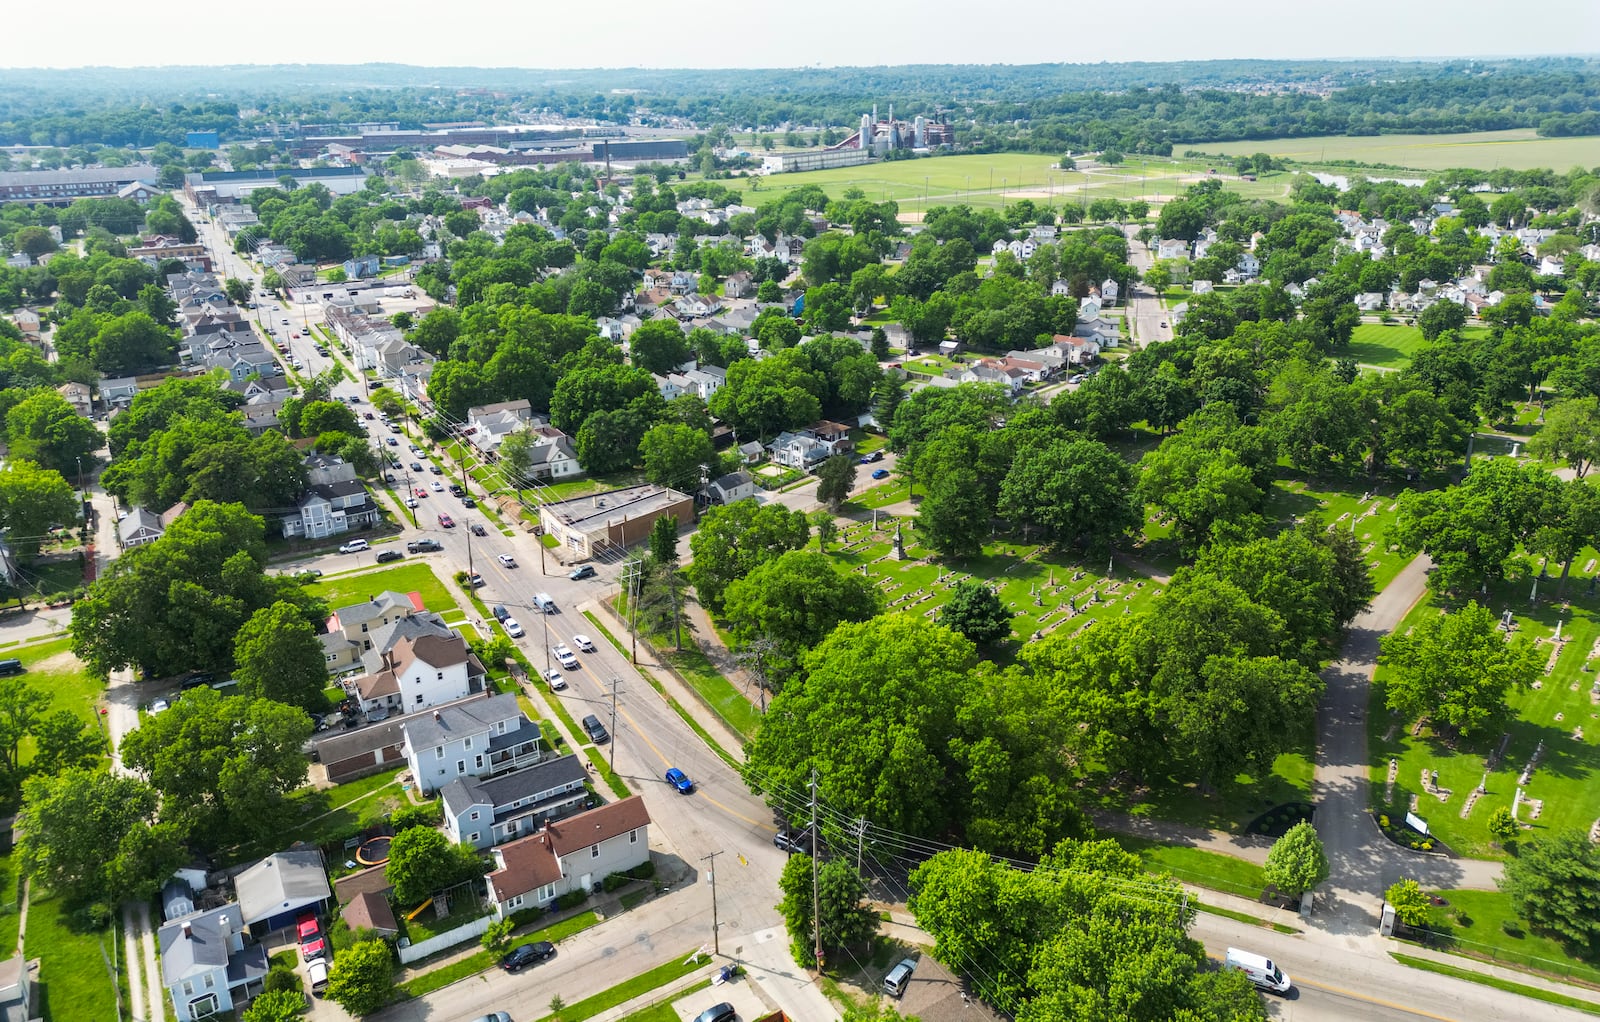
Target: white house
[
  {"x": 474, "y": 738},
  {"x": 486, "y": 811},
  {"x": 206, "y": 964},
  {"x": 419, "y": 672},
  {"x": 1202, "y": 287},
  {"x": 1109, "y": 291},
  {"x": 489, "y": 424},
  {"x": 1060, "y": 289},
  {"x": 731, "y": 487},
  {"x": 1369, "y": 301},
  {"x": 1089, "y": 308},
  {"x": 1248, "y": 265},
  {"x": 330, "y": 509},
  {"x": 554, "y": 459},
  {"x": 574, "y": 854},
  {"x": 798, "y": 450},
  {"x": 1172, "y": 248}
]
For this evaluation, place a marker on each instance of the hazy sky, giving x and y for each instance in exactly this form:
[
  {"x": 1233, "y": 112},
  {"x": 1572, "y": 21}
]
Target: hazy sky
[{"x": 751, "y": 33}]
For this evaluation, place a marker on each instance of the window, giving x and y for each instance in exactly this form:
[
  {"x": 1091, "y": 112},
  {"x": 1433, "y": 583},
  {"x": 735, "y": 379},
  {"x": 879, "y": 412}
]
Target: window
[
  {"x": 633, "y": 837},
  {"x": 211, "y": 980},
  {"x": 478, "y": 761},
  {"x": 461, "y": 766},
  {"x": 467, "y": 744},
  {"x": 594, "y": 851},
  {"x": 363, "y": 626},
  {"x": 438, "y": 752},
  {"x": 514, "y": 901},
  {"x": 441, "y": 676},
  {"x": 473, "y": 837},
  {"x": 473, "y": 816},
  {"x": 188, "y": 988},
  {"x": 419, "y": 698}
]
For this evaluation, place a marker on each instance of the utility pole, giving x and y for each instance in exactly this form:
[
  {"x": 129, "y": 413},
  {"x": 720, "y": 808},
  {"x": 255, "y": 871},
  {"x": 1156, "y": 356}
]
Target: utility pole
[
  {"x": 615, "y": 684},
  {"x": 861, "y": 838},
  {"x": 816, "y": 912},
  {"x": 716, "y": 944},
  {"x": 631, "y": 579},
  {"x": 544, "y": 619}
]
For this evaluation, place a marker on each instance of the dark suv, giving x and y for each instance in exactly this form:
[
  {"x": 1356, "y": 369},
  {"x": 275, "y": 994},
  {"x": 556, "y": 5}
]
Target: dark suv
[
  {"x": 793, "y": 841},
  {"x": 597, "y": 731},
  {"x": 417, "y": 546}
]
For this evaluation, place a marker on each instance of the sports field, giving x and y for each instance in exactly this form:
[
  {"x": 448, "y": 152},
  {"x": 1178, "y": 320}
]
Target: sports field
[
  {"x": 999, "y": 179},
  {"x": 1519, "y": 149}
]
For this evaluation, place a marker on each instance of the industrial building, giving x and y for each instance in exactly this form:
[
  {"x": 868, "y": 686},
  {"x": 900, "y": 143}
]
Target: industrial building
[
  {"x": 62, "y": 187},
  {"x": 872, "y": 140},
  {"x": 613, "y": 520}
]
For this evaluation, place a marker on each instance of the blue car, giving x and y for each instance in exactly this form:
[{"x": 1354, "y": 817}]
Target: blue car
[
  {"x": 680, "y": 780},
  {"x": 880, "y": 473}
]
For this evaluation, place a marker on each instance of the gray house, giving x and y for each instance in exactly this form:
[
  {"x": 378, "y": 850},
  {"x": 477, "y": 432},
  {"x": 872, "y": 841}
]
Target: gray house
[
  {"x": 482, "y": 812},
  {"x": 471, "y": 738},
  {"x": 276, "y": 889},
  {"x": 573, "y": 854},
  {"x": 206, "y": 964}
]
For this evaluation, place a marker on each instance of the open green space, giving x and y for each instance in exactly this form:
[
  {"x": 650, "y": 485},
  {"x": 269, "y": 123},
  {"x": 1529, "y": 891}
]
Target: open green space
[
  {"x": 1517, "y": 149},
  {"x": 1197, "y": 866},
  {"x": 50, "y": 667},
  {"x": 1343, "y": 504},
  {"x": 74, "y": 971},
  {"x": 1480, "y": 924},
  {"x": 416, "y": 577},
  {"x": 1388, "y": 345},
  {"x": 327, "y": 814},
  {"x": 1562, "y": 714}
]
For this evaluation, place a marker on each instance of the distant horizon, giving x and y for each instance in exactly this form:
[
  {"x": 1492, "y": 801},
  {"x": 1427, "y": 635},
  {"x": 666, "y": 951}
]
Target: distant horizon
[{"x": 716, "y": 34}]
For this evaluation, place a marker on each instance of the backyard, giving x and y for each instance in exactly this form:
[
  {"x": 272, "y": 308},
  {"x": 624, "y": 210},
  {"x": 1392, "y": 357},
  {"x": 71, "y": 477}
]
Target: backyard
[
  {"x": 417, "y": 577},
  {"x": 75, "y": 976}
]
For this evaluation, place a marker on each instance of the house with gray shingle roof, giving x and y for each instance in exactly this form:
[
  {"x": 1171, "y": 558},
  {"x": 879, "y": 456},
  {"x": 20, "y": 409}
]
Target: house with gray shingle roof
[{"x": 207, "y": 965}]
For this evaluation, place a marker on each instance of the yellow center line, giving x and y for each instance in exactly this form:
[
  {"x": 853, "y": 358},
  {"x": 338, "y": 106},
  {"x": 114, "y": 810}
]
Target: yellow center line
[{"x": 1374, "y": 1000}]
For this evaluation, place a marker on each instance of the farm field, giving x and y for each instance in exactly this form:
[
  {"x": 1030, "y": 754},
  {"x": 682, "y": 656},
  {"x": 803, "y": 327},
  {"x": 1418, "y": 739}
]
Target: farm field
[
  {"x": 1519, "y": 149},
  {"x": 1562, "y": 714}
]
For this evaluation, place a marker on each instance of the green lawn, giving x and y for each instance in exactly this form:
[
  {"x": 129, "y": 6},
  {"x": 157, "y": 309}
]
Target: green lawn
[
  {"x": 74, "y": 977},
  {"x": 1197, "y": 866},
  {"x": 52, "y": 668},
  {"x": 1565, "y": 702},
  {"x": 629, "y": 989},
  {"x": 1518, "y": 149},
  {"x": 417, "y": 577},
  {"x": 343, "y": 810},
  {"x": 1339, "y": 502},
  {"x": 1389, "y": 345},
  {"x": 1474, "y": 976},
  {"x": 1478, "y": 921},
  {"x": 434, "y": 979}
]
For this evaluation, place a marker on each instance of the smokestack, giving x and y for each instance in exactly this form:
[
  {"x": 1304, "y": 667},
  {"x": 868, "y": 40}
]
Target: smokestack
[
  {"x": 436, "y": 716},
  {"x": 188, "y": 931}
]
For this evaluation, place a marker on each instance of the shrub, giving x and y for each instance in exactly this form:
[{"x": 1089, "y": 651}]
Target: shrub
[
  {"x": 614, "y": 881},
  {"x": 498, "y": 935},
  {"x": 1512, "y": 929},
  {"x": 281, "y": 977},
  {"x": 572, "y": 899},
  {"x": 408, "y": 816},
  {"x": 1383, "y": 821}
]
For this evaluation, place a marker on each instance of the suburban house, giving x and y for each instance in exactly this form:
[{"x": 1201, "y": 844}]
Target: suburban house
[
  {"x": 370, "y": 911},
  {"x": 357, "y": 626},
  {"x": 1109, "y": 291},
  {"x": 279, "y": 887},
  {"x": 487, "y": 811},
  {"x": 1172, "y": 248},
  {"x": 553, "y": 460},
  {"x": 574, "y": 854},
  {"x": 347, "y": 755},
  {"x": 416, "y": 673},
  {"x": 1369, "y": 301},
  {"x": 118, "y": 392},
  {"x": 990, "y": 370},
  {"x": 28, "y": 322},
  {"x": 739, "y": 285},
  {"x": 206, "y": 964},
  {"x": 138, "y": 528},
  {"x": 731, "y": 487},
  {"x": 489, "y": 424},
  {"x": 835, "y": 435},
  {"x": 329, "y": 509},
  {"x": 752, "y": 452},
  {"x": 798, "y": 450},
  {"x": 472, "y": 738},
  {"x": 361, "y": 266},
  {"x": 696, "y": 306},
  {"x": 79, "y": 397},
  {"x": 18, "y": 980}
]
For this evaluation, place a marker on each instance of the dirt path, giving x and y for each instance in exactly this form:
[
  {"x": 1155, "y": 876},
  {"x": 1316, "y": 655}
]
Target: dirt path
[{"x": 133, "y": 956}]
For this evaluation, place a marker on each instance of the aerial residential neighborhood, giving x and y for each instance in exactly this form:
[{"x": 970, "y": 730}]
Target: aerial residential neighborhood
[{"x": 1005, "y": 539}]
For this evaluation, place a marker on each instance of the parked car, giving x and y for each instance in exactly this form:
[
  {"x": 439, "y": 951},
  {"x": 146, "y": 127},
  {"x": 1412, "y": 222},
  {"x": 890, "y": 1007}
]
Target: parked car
[
  {"x": 493, "y": 1016},
  {"x": 417, "y": 546},
  {"x": 416, "y": 466},
  {"x": 355, "y": 546},
  {"x": 506, "y": 560},
  {"x": 499, "y": 612},
  {"x": 389, "y": 555},
  {"x": 314, "y": 948},
  {"x": 436, "y": 470},
  {"x": 595, "y": 730},
  {"x": 159, "y": 706},
  {"x": 527, "y": 954},
  {"x": 476, "y": 581},
  {"x": 446, "y": 522},
  {"x": 565, "y": 656},
  {"x": 868, "y": 459},
  {"x": 306, "y": 926},
  {"x": 468, "y": 502},
  {"x": 880, "y": 473},
  {"x": 513, "y": 628},
  {"x": 557, "y": 682},
  {"x": 723, "y": 1012},
  {"x": 584, "y": 643},
  {"x": 680, "y": 780},
  {"x": 411, "y": 502},
  {"x": 582, "y": 572},
  {"x": 793, "y": 841},
  {"x": 456, "y": 490}
]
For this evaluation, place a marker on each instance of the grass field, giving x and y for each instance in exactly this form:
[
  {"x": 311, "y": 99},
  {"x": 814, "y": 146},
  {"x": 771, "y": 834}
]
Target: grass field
[
  {"x": 1563, "y": 713},
  {"x": 75, "y": 979},
  {"x": 417, "y": 577},
  {"x": 52, "y": 668},
  {"x": 1518, "y": 149},
  {"x": 1389, "y": 346},
  {"x": 1482, "y": 925},
  {"x": 998, "y": 179},
  {"x": 1197, "y": 866},
  {"x": 1340, "y": 506}
]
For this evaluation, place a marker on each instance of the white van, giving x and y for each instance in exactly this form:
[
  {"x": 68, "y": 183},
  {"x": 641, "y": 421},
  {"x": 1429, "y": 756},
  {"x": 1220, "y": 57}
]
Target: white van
[
  {"x": 317, "y": 973},
  {"x": 545, "y": 602},
  {"x": 355, "y": 546},
  {"x": 1259, "y": 968},
  {"x": 894, "y": 984}
]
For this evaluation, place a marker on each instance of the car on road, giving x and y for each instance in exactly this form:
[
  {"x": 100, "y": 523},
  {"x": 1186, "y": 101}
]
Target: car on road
[
  {"x": 506, "y": 560},
  {"x": 478, "y": 530},
  {"x": 355, "y": 546},
  {"x": 584, "y": 643},
  {"x": 793, "y": 841},
  {"x": 468, "y": 502},
  {"x": 513, "y": 628},
  {"x": 1163, "y": 324},
  {"x": 582, "y": 572},
  {"x": 367, "y": 415},
  {"x": 456, "y": 490},
  {"x": 389, "y": 555},
  {"x": 436, "y": 486},
  {"x": 595, "y": 730},
  {"x": 880, "y": 473},
  {"x": 159, "y": 706},
  {"x": 411, "y": 502},
  {"x": 527, "y": 954},
  {"x": 418, "y": 546},
  {"x": 284, "y": 322},
  {"x": 415, "y": 449},
  {"x": 319, "y": 349},
  {"x": 416, "y": 466},
  {"x": 875, "y": 456},
  {"x": 476, "y": 581},
  {"x": 566, "y": 657},
  {"x": 420, "y": 493},
  {"x": 723, "y": 1012},
  {"x": 296, "y": 336},
  {"x": 436, "y": 470},
  {"x": 391, "y": 441},
  {"x": 680, "y": 780},
  {"x": 493, "y": 1016},
  {"x": 499, "y": 612},
  {"x": 557, "y": 682},
  {"x": 446, "y": 522}
]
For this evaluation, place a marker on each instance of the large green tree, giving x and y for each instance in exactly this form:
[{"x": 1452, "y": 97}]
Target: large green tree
[
  {"x": 223, "y": 765},
  {"x": 975, "y": 611},
  {"x": 96, "y": 838},
  {"x": 361, "y": 980},
  {"x": 44, "y": 429},
  {"x": 276, "y": 655},
  {"x": 1571, "y": 433},
  {"x": 676, "y": 455},
  {"x": 1073, "y": 491},
  {"x": 848, "y": 921},
  {"x": 32, "y": 501},
  {"x": 1296, "y": 862},
  {"x": 735, "y": 539},
  {"x": 794, "y": 602},
  {"x": 1554, "y": 883},
  {"x": 1473, "y": 531},
  {"x": 1457, "y": 669},
  {"x": 422, "y": 862},
  {"x": 836, "y": 477}
]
